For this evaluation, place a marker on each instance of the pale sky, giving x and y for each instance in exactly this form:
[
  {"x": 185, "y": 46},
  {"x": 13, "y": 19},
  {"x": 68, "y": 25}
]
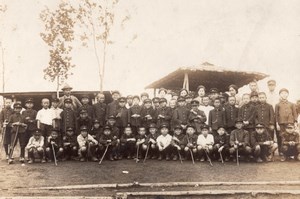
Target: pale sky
[{"x": 252, "y": 35}]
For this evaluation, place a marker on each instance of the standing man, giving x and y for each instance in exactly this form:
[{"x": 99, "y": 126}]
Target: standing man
[
  {"x": 67, "y": 95},
  {"x": 272, "y": 95}
]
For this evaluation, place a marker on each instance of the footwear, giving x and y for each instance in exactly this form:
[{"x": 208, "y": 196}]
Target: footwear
[
  {"x": 111, "y": 158},
  {"x": 94, "y": 159},
  {"x": 226, "y": 159},
  {"x": 120, "y": 157},
  {"x": 7, "y": 157},
  {"x": 202, "y": 160},
  {"x": 175, "y": 157},
  {"x": 43, "y": 161},
  {"x": 128, "y": 157},
  {"x": 30, "y": 161},
  {"x": 10, "y": 161},
  {"x": 82, "y": 159},
  {"x": 159, "y": 158},
  {"x": 154, "y": 157},
  {"x": 298, "y": 157},
  {"x": 167, "y": 158},
  {"x": 259, "y": 160},
  {"x": 49, "y": 160},
  {"x": 283, "y": 158},
  {"x": 269, "y": 158},
  {"x": 22, "y": 160}
]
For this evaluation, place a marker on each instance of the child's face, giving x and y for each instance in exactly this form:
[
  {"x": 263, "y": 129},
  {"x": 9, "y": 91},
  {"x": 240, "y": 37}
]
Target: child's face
[
  {"x": 67, "y": 92},
  {"x": 205, "y": 101},
  {"x": 68, "y": 105},
  {"x": 195, "y": 107},
  {"x": 147, "y": 105},
  {"x": 144, "y": 97},
  {"x": 70, "y": 133},
  {"x": 181, "y": 103},
  {"x": 254, "y": 99},
  {"x": 122, "y": 104},
  {"x": 54, "y": 134},
  {"x": 190, "y": 130},
  {"x": 231, "y": 101},
  {"x": 204, "y": 131},
  {"x": 239, "y": 125},
  {"x": 37, "y": 137},
  {"x": 232, "y": 91},
  {"x": 83, "y": 115},
  {"x": 55, "y": 104},
  {"x": 201, "y": 92},
  {"x": 172, "y": 103},
  {"x": 156, "y": 104},
  {"x": 17, "y": 110},
  {"x": 115, "y": 96},
  {"x": 142, "y": 131},
  {"x": 107, "y": 132},
  {"x": 164, "y": 131},
  {"x": 45, "y": 103},
  {"x": 253, "y": 86},
  {"x": 111, "y": 122},
  {"x": 183, "y": 93},
  {"x": 272, "y": 87},
  {"x": 136, "y": 101},
  {"x": 284, "y": 95},
  {"x": 130, "y": 100},
  {"x": 188, "y": 100},
  {"x": 290, "y": 129},
  {"x": 101, "y": 98},
  {"x": 217, "y": 103},
  {"x": 84, "y": 133},
  {"x": 246, "y": 99},
  {"x": 163, "y": 104},
  {"x": 162, "y": 93},
  {"x": 259, "y": 130},
  {"x": 214, "y": 95},
  {"x": 8, "y": 103},
  {"x": 96, "y": 125},
  {"x": 175, "y": 97},
  {"x": 152, "y": 130},
  {"x": 177, "y": 131},
  {"x": 221, "y": 131},
  {"x": 128, "y": 131},
  {"x": 85, "y": 100},
  {"x": 29, "y": 105},
  {"x": 262, "y": 98}
]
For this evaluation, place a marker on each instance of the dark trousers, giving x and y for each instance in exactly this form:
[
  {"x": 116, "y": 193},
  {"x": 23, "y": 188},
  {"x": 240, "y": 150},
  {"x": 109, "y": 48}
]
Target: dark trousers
[
  {"x": 288, "y": 150},
  {"x": 50, "y": 155},
  {"x": 278, "y": 136},
  {"x": 127, "y": 149},
  {"x": 70, "y": 151},
  {"x": 36, "y": 153},
  {"x": 216, "y": 154},
  {"x": 46, "y": 130},
  {"x": 6, "y": 139},
  {"x": 21, "y": 137},
  {"x": 166, "y": 152}
]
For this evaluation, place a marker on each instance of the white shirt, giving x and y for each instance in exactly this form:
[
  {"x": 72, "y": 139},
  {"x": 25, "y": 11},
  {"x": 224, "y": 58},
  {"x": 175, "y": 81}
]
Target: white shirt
[
  {"x": 45, "y": 116},
  {"x": 56, "y": 113},
  {"x": 208, "y": 140},
  {"x": 164, "y": 141},
  {"x": 81, "y": 140},
  {"x": 206, "y": 110},
  {"x": 35, "y": 143}
]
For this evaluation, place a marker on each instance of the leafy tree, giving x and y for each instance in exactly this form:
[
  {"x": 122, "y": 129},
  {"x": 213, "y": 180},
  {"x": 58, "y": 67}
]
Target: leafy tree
[{"x": 58, "y": 35}]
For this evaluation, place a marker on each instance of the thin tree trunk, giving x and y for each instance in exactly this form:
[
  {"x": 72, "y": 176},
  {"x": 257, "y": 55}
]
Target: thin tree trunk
[
  {"x": 3, "y": 69},
  {"x": 57, "y": 86}
]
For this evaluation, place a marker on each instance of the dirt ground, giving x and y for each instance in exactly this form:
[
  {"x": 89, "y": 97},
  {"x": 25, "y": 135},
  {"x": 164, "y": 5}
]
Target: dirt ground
[{"x": 16, "y": 180}]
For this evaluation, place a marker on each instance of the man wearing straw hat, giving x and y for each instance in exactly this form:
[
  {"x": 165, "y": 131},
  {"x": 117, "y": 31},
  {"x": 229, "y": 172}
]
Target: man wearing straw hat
[{"x": 67, "y": 94}]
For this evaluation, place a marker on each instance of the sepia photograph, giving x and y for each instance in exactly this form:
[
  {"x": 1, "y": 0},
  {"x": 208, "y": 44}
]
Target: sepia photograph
[{"x": 160, "y": 99}]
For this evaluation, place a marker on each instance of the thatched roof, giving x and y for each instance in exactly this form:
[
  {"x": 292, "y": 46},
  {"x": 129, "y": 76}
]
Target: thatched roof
[{"x": 206, "y": 74}]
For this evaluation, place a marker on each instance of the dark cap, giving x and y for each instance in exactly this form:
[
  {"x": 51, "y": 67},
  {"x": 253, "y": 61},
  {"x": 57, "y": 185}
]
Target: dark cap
[
  {"x": 111, "y": 117},
  {"x": 70, "y": 129},
  {"x": 130, "y": 97},
  {"x": 37, "y": 132},
  {"x": 147, "y": 101},
  {"x": 190, "y": 95},
  {"x": 178, "y": 127},
  {"x": 221, "y": 126},
  {"x": 135, "y": 97},
  {"x": 161, "y": 100},
  {"x": 155, "y": 99},
  {"x": 29, "y": 100},
  {"x": 164, "y": 125},
  {"x": 200, "y": 86},
  {"x": 205, "y": 126},
  {"x": 68, "y": 100},
  {"x": 83, "y": 128},
  {"x": 122, "y": 99},
  {"x": 253, "y": 94},
  {"x": 152, "y": 125},
  {"x": 195, "y": 103},
  {"x": 17, "y": 105},
  {"x": 107, "y": 127},
  {"x": 55, "y": 100},
  {"x": 85, "y": 96},
  {"x": 96, "y": 121},
  {"x": 55, "y": 130},
  {"x": 239, "y": 120},
  {"x": 233, "y": 86},
  {"x": 283, "y": 89},
  {"x": 214, "y": 90},
  {"x": 259, "y": 125},
  {"x": 115, "y": 92},
  {"x": 190, "y": 126},
  {"x": 180, "y": 99},
  {"x": 271, "y": 82},
  {"x": 224, "y": 95},
  {"x": 83, "y": 111},
  {"x": 144, "y": 94}
]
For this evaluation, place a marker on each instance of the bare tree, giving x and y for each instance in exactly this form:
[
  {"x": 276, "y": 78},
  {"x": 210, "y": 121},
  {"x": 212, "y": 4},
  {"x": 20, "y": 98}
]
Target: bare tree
[
  {"x": 3, "y": 9},
  {"x": 97, "y": 19},
  {"x": 58, "y": 35}
]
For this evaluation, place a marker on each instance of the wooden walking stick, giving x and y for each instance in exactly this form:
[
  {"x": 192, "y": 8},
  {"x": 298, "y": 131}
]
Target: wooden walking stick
[
  {"x": 104, "y": 154},
  {"x": 3, "y": 137},
  {"x": 137, "y": 154},
  {"x": 146, "y": 153},
  {"x": 221, "y": 156},
  {"x": 14, "y": 143},
  {"x": 179, "y": 156},
  {"x": 192, "y": 155},
  {"x": 54, "y": 155},
  {"x": 208, "y": 158}
]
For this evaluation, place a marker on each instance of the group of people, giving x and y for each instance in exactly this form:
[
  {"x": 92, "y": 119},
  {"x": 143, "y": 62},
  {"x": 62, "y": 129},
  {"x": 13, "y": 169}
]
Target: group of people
[{"x": 208, "y": 126}]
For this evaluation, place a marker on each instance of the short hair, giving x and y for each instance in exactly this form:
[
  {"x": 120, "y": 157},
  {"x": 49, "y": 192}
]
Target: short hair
[
  {"x": 199, "y": 87},
  {"x": 205, "y": 96},
  {"x": 245, "y": 94},
  {"x": 262, "y": 93},
  {"x": 231, "y": 97},
  {"x": 217, "y": 99},
  {"x": 45, "y": 99}
]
